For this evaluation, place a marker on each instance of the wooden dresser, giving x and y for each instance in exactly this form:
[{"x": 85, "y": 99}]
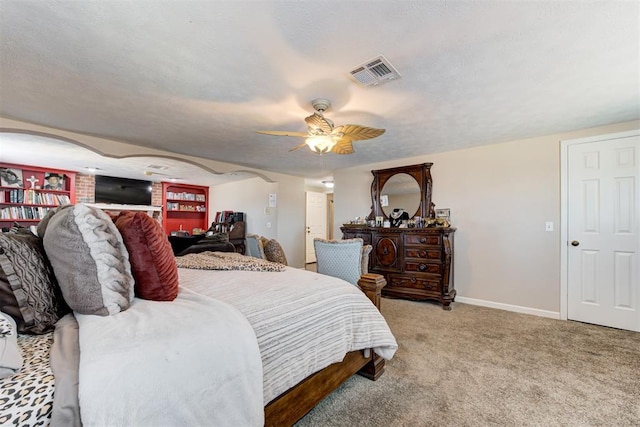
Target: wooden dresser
[
  {"x": 416, "y": 262},
  {"x": 415, "y": 251}
]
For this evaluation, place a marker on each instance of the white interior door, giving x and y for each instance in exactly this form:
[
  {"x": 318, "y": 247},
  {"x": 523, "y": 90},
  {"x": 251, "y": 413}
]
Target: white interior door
[
  {"x": 316, "y": 221},
  {"x": 603, "y": 222}
]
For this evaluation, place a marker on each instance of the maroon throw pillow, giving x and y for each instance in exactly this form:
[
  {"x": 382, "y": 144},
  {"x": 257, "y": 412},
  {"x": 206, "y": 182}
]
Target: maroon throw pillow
[{"x": 152, "y": 262}]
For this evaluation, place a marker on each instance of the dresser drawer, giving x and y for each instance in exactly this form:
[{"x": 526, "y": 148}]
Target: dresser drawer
[
  {"x": 423, "y": 267},
  {"x": 365, "y": 236},
  {"x": 423, "y": 253},
  {"x": 412, "y": 282},
  {"x": 423, "y": 239}
]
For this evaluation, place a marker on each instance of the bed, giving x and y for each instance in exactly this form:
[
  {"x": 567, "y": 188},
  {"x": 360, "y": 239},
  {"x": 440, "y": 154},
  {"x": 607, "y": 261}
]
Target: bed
[{"x": 254, "y": 345}]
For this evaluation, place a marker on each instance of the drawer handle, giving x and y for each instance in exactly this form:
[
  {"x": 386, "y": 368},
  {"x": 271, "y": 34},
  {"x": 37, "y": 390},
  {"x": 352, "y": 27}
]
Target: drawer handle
[
  {"x": 423, "y": 239},
  {"x": 422, "y": 267},
  {"x": 422, "y": 254},
  {"x": 412, "y": 279}
]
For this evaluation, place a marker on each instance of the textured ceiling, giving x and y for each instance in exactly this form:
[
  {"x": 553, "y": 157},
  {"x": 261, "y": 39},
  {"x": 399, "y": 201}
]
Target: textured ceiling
[{"x": 200, "y": 77}]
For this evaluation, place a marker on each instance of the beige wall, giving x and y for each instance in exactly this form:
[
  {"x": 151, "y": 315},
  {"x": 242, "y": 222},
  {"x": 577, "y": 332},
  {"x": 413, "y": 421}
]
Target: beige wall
[
  {"x": 500, "y": 196},
  {"x": 252, "y": 197},
  {"x": 249, "y": 195}
]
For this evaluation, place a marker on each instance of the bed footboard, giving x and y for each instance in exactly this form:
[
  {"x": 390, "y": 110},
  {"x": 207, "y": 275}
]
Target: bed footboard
[{"x": 372, "y": 284}]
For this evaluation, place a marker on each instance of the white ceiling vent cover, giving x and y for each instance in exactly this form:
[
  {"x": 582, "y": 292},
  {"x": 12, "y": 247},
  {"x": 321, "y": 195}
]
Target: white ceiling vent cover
[{"x": 375, "y": 71}]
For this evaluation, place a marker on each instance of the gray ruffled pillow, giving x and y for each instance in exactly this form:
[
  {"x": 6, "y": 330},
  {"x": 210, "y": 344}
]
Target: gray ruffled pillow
[
  {"x": 28, "y": 289},
  {"x": 89, "y": 259}
]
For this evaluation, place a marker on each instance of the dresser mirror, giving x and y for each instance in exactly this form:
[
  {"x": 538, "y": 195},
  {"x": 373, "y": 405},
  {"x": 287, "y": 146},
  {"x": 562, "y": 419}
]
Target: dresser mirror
[
  {"x": 401, "y": 191},
  {"x": 405, "y": 187}
]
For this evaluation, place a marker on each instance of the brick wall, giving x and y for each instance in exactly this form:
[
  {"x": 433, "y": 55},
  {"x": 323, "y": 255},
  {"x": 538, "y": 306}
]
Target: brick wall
[
  {"x": 156, "y": 194},
  {"x": 85, "y": 188}
]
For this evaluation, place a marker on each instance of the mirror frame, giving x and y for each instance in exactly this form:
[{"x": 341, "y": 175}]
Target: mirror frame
[{"x": 420, "y": 172}]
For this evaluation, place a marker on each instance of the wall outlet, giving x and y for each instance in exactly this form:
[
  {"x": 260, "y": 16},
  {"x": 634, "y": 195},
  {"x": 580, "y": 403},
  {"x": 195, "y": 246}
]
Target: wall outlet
[{"x": 548, "y": 226}]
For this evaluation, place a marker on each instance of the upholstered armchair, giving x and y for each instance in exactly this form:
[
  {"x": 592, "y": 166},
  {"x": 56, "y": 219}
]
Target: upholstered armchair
[{"x": 348, "y": 259}]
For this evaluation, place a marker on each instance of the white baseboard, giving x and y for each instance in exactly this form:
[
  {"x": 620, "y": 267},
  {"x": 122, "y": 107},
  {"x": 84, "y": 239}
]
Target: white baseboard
[{"x": 509, "y": 307}]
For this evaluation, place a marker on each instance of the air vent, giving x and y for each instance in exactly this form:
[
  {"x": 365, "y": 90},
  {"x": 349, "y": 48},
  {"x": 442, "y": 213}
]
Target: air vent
[
  {"x": 375, "y": 71},
  {"x": 158, "y": 167}
]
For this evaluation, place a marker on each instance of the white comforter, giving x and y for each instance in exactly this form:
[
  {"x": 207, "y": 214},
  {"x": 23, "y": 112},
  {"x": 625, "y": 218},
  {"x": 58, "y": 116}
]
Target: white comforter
[
  {"x": 191, "y": 362},
  {"x": 304, "y": 321}
]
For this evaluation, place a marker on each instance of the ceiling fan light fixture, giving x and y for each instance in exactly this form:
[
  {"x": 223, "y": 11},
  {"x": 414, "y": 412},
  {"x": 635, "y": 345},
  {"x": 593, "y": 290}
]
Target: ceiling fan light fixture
[{"x": 321, "y": 143}]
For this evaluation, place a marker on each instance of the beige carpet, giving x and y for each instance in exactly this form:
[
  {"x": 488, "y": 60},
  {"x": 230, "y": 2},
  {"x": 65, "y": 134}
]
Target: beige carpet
[{"x": 476, "y": 366}]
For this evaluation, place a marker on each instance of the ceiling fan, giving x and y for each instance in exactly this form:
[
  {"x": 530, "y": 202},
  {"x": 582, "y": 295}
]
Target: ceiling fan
[{"x": 323, "y": 136}]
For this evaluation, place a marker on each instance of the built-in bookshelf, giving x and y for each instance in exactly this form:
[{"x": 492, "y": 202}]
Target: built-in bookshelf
[
  {"x": 28, "y": 193},
  {"x": 186, "y": 208}
]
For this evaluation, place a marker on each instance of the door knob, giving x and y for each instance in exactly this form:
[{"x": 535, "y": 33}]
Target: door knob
[{"x": 575, "y": 243}]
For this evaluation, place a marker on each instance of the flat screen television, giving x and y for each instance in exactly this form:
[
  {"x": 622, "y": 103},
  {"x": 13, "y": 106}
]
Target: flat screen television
[{"x": 124, "y": 191}]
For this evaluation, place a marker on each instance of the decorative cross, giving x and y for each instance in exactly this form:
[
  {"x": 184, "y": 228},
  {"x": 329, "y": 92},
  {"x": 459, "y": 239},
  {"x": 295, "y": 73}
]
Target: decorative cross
[{"x": 33, "y": 181}]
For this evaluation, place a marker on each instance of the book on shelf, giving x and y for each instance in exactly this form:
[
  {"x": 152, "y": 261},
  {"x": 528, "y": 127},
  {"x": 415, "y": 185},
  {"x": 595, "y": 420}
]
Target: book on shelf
[
  {"x": 191, "y": 197},
  {"x": 33, "y": 197},
  {"x": 24, "y": 212}
]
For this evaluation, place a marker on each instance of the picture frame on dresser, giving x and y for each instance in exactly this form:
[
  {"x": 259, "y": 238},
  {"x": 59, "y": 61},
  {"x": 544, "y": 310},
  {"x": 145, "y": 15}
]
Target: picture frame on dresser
[{"x": 444, "y": 213}]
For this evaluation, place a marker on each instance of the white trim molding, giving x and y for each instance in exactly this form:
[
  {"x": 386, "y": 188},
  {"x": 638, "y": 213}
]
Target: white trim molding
[{"x": 509, "y": 307}]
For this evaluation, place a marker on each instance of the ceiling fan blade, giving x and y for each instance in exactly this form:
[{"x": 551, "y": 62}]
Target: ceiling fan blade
[
  {"x": 357, "y": 132},
  {"x": 316, "y": 121},
  {"x": 344, "y": 146},
  {"x": 283, "y": 133},
  {"x": 297, "y": 147}
]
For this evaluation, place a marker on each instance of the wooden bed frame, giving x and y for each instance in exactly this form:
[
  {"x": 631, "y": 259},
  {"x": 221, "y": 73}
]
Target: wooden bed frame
[{"x": 296, "y": 402}]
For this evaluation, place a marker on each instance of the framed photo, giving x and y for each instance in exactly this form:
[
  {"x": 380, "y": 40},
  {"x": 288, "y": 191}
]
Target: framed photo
[
  {"x": 11, "y": 177},
  {"x": 53, "y": 181},
  {"x": 444, "y": 214}
]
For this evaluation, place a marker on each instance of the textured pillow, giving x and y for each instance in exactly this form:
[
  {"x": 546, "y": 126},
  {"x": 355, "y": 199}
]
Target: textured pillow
[
  {"x": 44, "y": 222},
  {"x": 274, "y": 252},
  {"x": 152, "y": 262},
  {"x": 89, "y": 260},
  {"x": 28, "y": 289}
]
